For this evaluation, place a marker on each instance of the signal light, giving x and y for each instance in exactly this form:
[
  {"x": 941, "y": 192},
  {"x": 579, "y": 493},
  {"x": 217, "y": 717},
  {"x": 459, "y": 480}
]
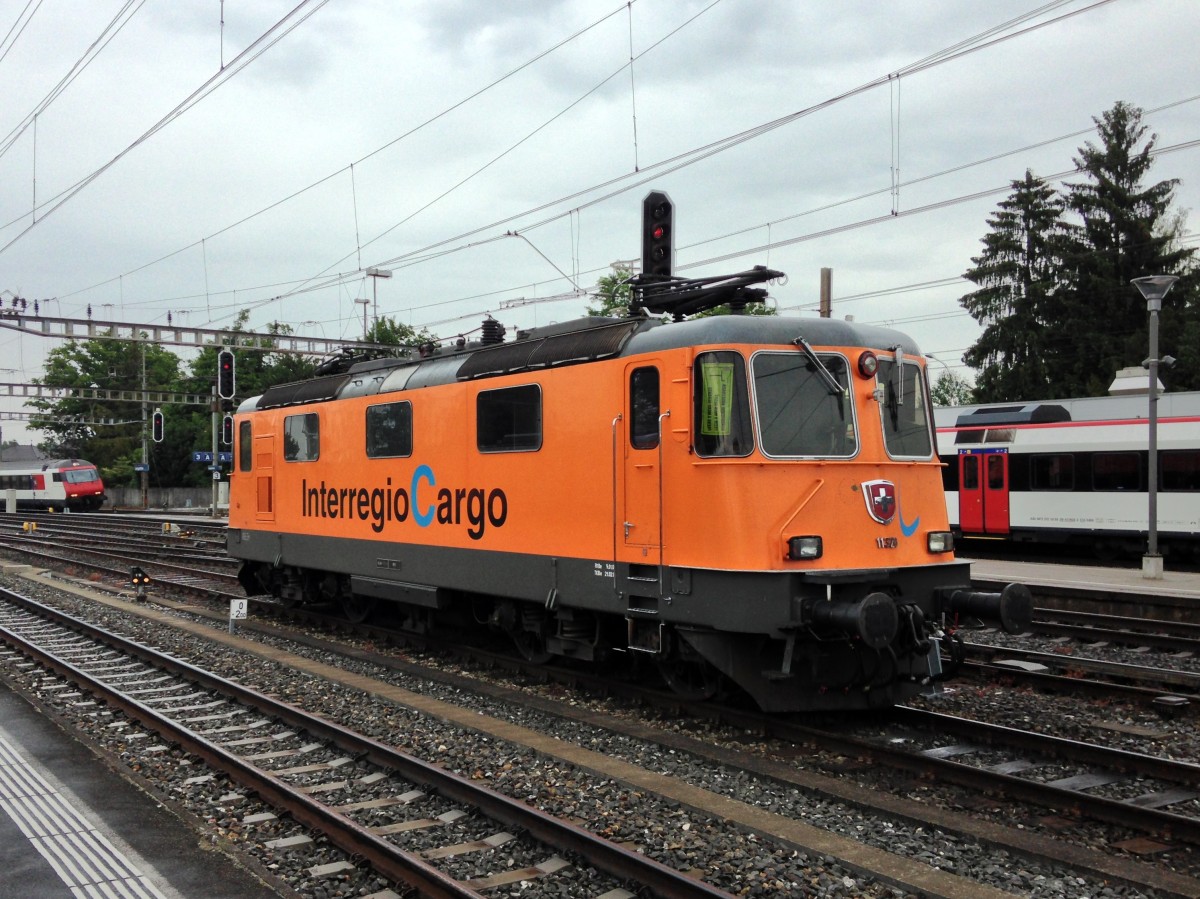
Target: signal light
[
  {"x": 156, "y": 426},
  {"x": 227, "y": 430},
  {"x": 658, "y": 239},
  {"x": 225, "y": 376},
  {"x": 868, "y": 364}
]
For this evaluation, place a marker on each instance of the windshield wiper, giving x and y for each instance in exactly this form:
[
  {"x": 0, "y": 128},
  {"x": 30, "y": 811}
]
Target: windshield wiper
[
  {"x": 899, "y": 375},
  {"x": 831, "y": 384}
]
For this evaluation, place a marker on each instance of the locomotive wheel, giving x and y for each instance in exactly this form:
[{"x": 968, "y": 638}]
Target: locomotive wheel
[
  {"x": 532, "y": 647},
  {"x": 693, "y": 679},
  {"x": 358, "y": 608}
]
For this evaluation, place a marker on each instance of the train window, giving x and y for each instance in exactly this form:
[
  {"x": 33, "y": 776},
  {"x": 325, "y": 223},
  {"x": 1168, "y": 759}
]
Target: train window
[
  {"x": 81, "y": 475},
  {"x": 389, "y": 430},
  {"x": 906, "y": 428},
  {"x": 509, "y": 419},
  {"x": 1052, "y": 471},
  {"x": 995, "y": 471},
  {"x": 797, "y": 415},
  {"x": 970, "y": 472},
  {"x": 643, "y": 408},
  {"x": 1116, "y": 471},
  {"x": 245, "y": 446},
  {"x": 1180, "y": 470},
  {"x": 302, "y": 437},
  {"x": 721, "y": 410}
]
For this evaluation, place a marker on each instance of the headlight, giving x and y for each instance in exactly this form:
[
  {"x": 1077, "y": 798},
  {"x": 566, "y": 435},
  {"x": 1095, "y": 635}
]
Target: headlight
[
  {"x": 941, "y": 542},
  {"x": 804, "y": 548}
]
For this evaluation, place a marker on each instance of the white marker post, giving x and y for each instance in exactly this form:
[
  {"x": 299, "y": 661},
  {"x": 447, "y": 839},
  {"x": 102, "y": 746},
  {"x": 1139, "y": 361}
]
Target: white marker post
[{"x": 237, "y": 610}]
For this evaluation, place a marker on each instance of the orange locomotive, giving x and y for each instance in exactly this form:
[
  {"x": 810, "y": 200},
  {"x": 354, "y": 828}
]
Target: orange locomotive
[{"x": 753, "y": 500}]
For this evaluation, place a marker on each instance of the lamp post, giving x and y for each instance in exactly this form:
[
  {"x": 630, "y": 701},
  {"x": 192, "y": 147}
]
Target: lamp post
[
  {"x": 364, "y": 302},
  {"x": 1153, "y": 288},
  {"x": 375, "y": 274}
]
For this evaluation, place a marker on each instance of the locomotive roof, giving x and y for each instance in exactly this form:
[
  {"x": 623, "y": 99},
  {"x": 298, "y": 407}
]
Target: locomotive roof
[{"x": 582, "y": 340}]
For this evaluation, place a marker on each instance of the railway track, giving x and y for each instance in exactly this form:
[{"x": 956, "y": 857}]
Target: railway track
[
  {"x": 354, "y": 791},
  {"x": 672, "y": 706}
]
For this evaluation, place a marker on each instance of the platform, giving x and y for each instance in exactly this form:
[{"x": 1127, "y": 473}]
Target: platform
[
  {"x": 70, "y": 827},
  {"x": 1097, "y": 579}
]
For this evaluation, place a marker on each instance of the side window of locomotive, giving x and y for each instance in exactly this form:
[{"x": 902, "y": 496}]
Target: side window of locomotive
[
  {"x": 1052, "y": 471},
  {"x": 509, "y": 419},
  {"x": 389, "y": 430},
  {"x": 643, "y": 406},
  {"x": 797, "y": 415},
  {"x": 302, "y": 437},
  {"x": 721, "y": 413},
  {"x": 906, "y": 427},
  {"x": 1180, "y": 470},
  {"x": 245, "y": 446},
  {"x": 1116, "y": 471}
]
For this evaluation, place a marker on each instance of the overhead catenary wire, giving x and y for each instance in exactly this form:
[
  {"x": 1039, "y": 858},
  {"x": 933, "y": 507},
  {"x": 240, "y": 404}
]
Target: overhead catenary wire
[
  {"x": 622, "y": 184},
  {"x": 110, "y": 31},
  {"x": 970, "y": 45},
  {"x": 406, "y": 134},
  {"x": 292, "y": 20}
]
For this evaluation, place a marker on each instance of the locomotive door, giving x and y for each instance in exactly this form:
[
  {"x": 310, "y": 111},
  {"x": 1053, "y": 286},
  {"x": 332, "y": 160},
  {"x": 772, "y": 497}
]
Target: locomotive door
[
  {"x": 983, "y": 491},
  {"x": 639, "y": 514},
  {"x": 264, "y": 477}
]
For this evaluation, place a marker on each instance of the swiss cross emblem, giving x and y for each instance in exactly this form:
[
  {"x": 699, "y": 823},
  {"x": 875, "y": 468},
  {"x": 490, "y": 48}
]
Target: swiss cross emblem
[{"x": 881, "y": 500}]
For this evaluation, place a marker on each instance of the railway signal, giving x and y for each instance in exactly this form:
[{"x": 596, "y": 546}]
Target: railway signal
[
  {"x": 140, "y": 580},
  {"x": 658, "y": 235},
  {"x": 227, "y": 430},
  {"x": 225, "y": 375},
  {"x": 156, "y": 426}
]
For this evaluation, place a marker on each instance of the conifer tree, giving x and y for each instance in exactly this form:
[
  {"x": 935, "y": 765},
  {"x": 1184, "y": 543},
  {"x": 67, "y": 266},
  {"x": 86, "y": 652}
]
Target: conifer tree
[
  {"x": 1125, "y": 230},
  {"x": 1017, "y": 274}
]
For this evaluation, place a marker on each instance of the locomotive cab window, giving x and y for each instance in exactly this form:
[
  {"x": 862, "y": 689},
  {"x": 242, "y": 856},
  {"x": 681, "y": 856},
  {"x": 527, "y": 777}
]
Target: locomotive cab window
[
  {"x": 907, "y": 431},
  {"x": 245, "y": 447},
  {"x": 797, "y": 415},
  {"x": 721, "y": 414},
  {"x": 509, "y": 419},
  {"x": 644, "y": 408},
  {"x": 389, "y": 430},
  {"x": 302, "y": 437}
]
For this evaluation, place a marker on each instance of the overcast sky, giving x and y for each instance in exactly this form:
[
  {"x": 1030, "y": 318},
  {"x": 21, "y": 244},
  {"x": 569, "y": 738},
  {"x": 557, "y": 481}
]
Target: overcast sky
[{"x": 413, "y": 136}]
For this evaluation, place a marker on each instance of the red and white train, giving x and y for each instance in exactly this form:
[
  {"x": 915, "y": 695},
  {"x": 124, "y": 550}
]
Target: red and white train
[
  {"x": 52, "y": 484},
  {"x": 1073, "y": 471}
]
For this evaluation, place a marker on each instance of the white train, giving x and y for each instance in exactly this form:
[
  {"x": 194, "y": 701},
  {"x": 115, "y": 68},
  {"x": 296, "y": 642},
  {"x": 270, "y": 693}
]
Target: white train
[
  {"x": 52, "y": 484},
  {"x": 1073, "y": 471}
]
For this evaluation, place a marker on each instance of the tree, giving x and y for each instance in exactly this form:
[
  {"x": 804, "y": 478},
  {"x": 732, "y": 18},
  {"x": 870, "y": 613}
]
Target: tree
[
  {"x": 390, "y": 332},
  {"x": 1125, "y": 230},
  {"x": 107, "y": 364},
  {"x": 615, "y": 294},
  {"x": 1017, "y": 274},
  {"x": 951, "y": 390}
]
